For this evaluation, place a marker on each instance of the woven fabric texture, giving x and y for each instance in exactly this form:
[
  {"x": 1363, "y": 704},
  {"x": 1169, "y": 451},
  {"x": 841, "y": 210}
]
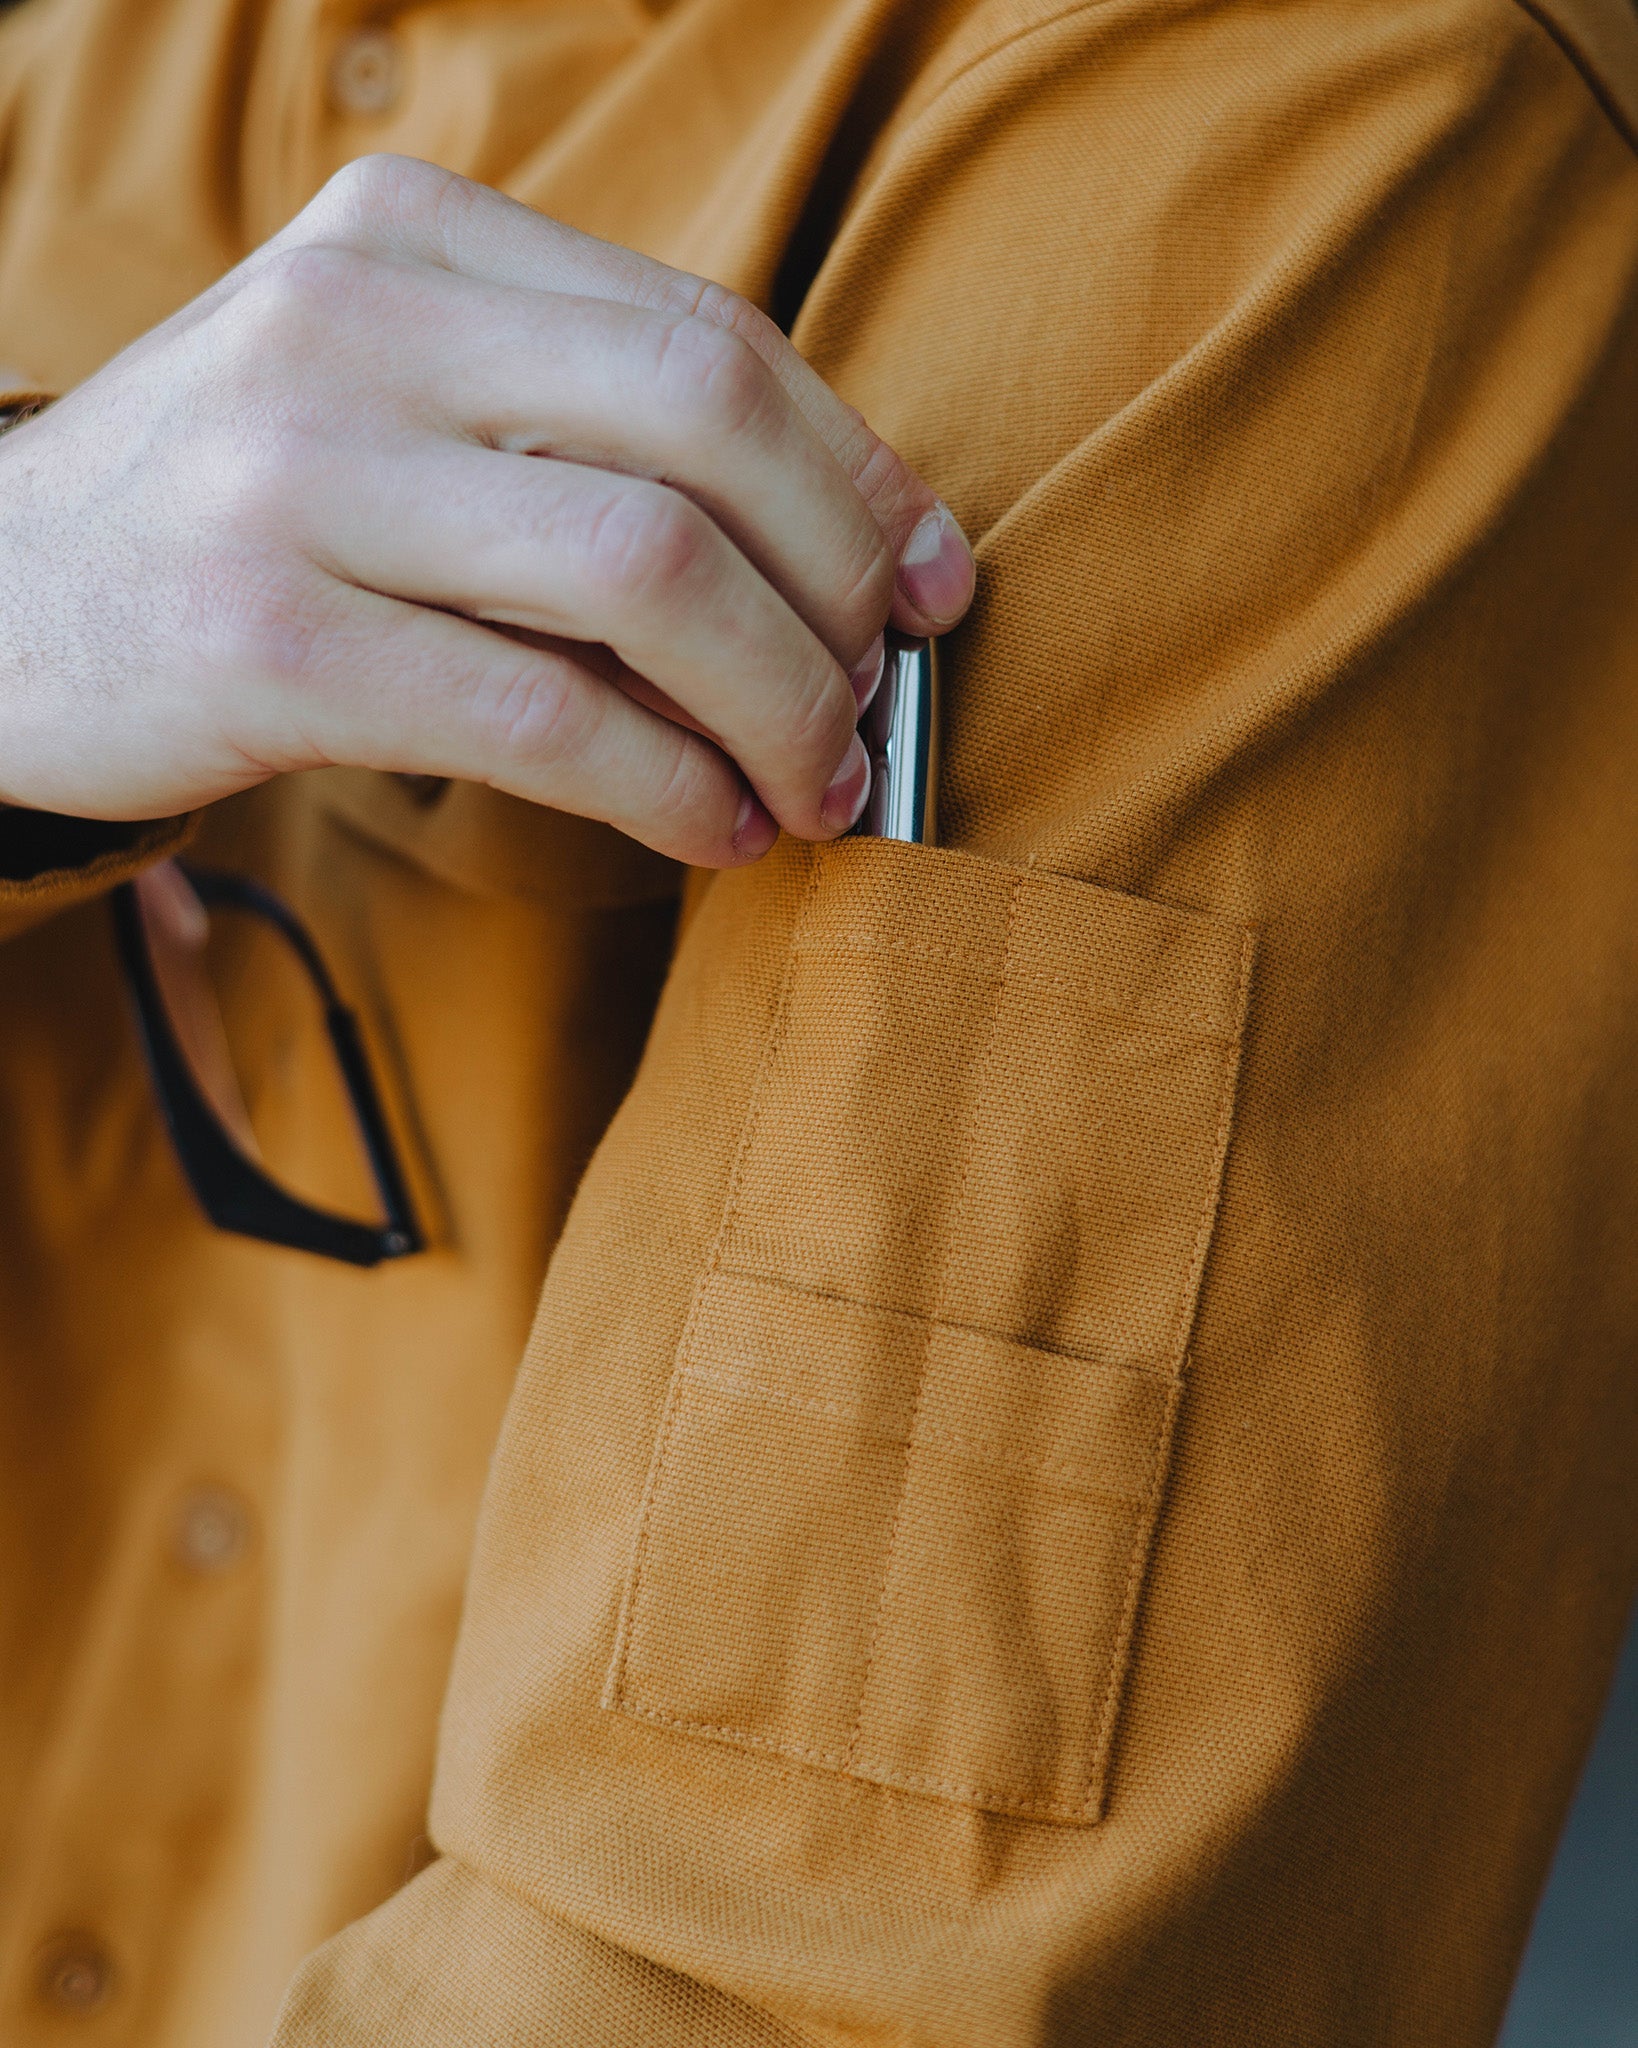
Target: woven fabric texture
[{"x": 1069, "y": 1480}]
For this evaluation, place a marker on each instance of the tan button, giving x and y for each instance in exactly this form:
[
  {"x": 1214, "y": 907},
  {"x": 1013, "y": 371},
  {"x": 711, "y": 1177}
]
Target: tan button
[
  {"x": 76, "y": 1973},
  {"x": 367, "y": 74},
  {"x": 212, "y": 1529}
]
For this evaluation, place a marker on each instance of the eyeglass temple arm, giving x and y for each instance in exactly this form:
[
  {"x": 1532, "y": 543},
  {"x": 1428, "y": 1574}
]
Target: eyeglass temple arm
[
  {"x": 402, "y": 1234},
  {"x": 239, "y": 892},
  {"x": 232, "y": 1189}
]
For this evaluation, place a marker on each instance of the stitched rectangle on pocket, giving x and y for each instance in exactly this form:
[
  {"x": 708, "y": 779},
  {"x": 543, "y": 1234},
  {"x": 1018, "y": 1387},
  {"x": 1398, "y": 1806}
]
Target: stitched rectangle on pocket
[
  {"x": 993, "y": 1097},
  {"x": 930, "y": 1592}
]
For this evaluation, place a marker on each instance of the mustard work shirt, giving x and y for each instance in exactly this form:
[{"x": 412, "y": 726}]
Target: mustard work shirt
[{"x": 1071, "y": 1480}]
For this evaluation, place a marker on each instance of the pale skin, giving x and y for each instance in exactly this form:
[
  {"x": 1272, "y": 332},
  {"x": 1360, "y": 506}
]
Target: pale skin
[{"x": 431, "y": 483}]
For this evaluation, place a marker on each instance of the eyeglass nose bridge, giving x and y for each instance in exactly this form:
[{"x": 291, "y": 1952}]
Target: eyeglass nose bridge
[{"x": 235, "y": 1192}]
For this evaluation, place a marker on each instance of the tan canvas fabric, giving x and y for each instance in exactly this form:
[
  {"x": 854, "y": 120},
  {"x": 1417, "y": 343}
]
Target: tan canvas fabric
[{"x": 1072, "y": 1476}]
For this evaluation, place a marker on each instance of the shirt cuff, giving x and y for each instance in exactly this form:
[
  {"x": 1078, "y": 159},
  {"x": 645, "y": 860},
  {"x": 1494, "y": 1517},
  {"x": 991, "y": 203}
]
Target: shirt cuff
[{"x": 48, "y": 863}]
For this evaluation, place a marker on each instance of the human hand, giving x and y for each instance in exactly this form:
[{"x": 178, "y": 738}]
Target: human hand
[{"x": 435, "y": 484}]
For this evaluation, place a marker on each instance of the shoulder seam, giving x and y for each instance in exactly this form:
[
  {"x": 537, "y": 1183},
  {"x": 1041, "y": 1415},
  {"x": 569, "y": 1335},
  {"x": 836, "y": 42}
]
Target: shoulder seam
[
  {"x": 1625, "y": 125},
  {"x": 1589, "y": 74}
]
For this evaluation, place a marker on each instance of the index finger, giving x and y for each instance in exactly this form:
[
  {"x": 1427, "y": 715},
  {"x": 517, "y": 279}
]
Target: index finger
[{"x": 400, "y": 206}]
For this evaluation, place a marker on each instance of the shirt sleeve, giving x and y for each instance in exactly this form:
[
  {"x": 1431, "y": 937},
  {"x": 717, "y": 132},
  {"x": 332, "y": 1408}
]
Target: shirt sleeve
[
  {"x": 48, "y": 862},
  {"x": 957, "y": 1566}
]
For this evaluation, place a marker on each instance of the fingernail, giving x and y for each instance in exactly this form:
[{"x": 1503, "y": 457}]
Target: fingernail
[
  {"x": 754, "y": 830},
  {"x": 936, "y": 568},
  {"x": 866, "y": 678},
  {"x": 845, "y": 798}
]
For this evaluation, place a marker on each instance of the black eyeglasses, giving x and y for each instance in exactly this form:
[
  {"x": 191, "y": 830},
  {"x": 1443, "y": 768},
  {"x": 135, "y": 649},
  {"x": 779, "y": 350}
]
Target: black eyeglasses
[{"x": 233, "y": 1190}]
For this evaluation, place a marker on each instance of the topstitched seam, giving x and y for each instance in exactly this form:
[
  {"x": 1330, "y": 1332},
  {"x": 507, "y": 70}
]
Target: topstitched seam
[
  {"x": 615, "y": 1690},
  {"x": 770, "y": 1054},
  {"x": 1584, "y": 68},
  {"x": 991, "y": 1800},
  {"x": 957, "y": 1212},
  {"x": 1536, "y": 11},
  {"x": 1214, "y": 1028},
  {"x": 1143, "y": 1534},
  {"x": 1164, "y": 1364},
  {"x": 1074, "y": 1473},
  {"x": 1219, "y": 1154},
  {"x": 1137, "y": 1568}
]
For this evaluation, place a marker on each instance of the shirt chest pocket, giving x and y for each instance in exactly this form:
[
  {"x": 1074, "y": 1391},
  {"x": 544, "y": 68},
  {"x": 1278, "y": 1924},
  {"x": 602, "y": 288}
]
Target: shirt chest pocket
[{"x": 915, "y": 1441}]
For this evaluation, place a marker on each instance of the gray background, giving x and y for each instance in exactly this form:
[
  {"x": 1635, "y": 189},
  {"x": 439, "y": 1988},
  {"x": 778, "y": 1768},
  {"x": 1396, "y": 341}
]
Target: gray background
[{"x": 1578, "y": 1985}]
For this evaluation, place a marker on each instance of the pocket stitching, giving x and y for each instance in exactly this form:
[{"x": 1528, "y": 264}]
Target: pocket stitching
[
  {"x": 1188, "y": 1308},
  {"x": 1234, "y": 1048},
  {"x": 1206, "y": 1024},
  {"x": 1066, "y": 1470},
  {"x": 957, "y": 1211},
  {"x": 848, "y": 1763},
  {"x": 1136, "y": 1573},
  {"x": 978, "y": 1796},
  {"x": 614, "y": 1690},
  {"x": 770, "y": 1053}
]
